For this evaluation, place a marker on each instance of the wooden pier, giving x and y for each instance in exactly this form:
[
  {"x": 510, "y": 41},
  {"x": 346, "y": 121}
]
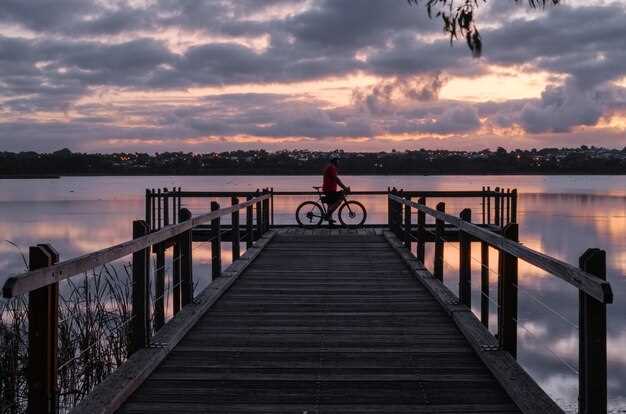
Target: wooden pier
[{"x": 322, "y": 320}]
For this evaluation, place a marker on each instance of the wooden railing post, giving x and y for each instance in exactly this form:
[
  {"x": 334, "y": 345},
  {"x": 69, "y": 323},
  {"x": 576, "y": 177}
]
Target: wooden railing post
[
  {"x": 508, "y": 206},
  {"x": 176, "y": 279},
  {"x": 249, "y": 224},
  {"x": 216, "y": 244},
  {"x": 514, "y": 205},
  {"x": 465, "y": 262},
  {"x": 507, "y": 299},
  {"x": 592, "y": 359},
  {"x": 159, "y": 286},
  {"x": 141, "y": 309},
  {"x": 408, "y": 237},
  {"x": 186, "y": 259},
  {"x": 396, "y": 214},
  {"x": 502, "y": 197},
  {"x": 159, "y": 214},
  {"x": 272, "y": 205},
  {"x": 399, "y": 216},
  {"x": 483, "y": 205},
  {"x": 148, "y": 209},
  {"x": 489, "y": 205},
  {"x": 153, "y": 210},
  {"x": 178, "y": 202},
  {"x": 266, "y": 212},
  {"x": 496, "y": 205},
  {"x": 389, "y": 210},
  {"x": 166, "y": 207},
  {"x": 439, "y": 229},
  {"x": 234, "y": 220},
  {"x": 259, "y": 218},
  {"x": 421, "y": 222},
  {"x": 43, "y": 325},
  {"x": 484, "y": 284}
]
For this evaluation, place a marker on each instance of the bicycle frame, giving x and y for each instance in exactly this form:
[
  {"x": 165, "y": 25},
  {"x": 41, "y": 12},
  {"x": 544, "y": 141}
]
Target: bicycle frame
[{"x": 344, "y": 201}]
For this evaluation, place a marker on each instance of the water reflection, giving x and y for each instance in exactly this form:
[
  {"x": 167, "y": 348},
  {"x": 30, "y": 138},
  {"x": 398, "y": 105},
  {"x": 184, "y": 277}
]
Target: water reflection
[{"x": 560, "y": 216}]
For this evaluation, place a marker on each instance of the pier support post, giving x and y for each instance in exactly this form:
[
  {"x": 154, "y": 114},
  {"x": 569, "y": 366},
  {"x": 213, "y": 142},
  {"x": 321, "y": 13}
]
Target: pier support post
[
  {"x": 496, "y": 206},
  {"x": 159, "y": 287},
  {"x": 159, "y": 217},
  {"x": 234, "y": 220},
  {"x": 148, "y": 209},
  {"x": 176, "y": 280},
  {"x": 186, "y": 259},
  {"x": 266, "y": 212},
  {"x": 421, "y": 222},
  {"x": 465, "y": 262},
  {"x": 507, "y": 299},
  {"x": 514, "y": 205},
  {"x": 489, "y": 205},
  {"x": 141, "y": 309},
  {"x": 592, "y": 359},
  {"x": 484, "y": 284},
  {"x": 389, "y": 210},
  {"x": 249, "y": 224},
  {"x": 216, "y": 244},
  {"x": 439, "y": 228},
  {"x": 259, "y": 217},
  {"x": 43, "y": 320},
  {"x": 166, "y": 207},
  {"x": 408, "y": 237}
]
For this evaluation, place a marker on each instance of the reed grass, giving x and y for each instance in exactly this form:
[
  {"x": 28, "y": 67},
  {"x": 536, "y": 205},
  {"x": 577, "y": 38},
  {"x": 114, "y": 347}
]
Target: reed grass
[{"x": 93, "y": 337}]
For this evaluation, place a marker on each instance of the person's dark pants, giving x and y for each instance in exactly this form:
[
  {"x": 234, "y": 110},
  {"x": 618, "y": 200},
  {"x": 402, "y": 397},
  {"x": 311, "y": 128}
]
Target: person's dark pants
[{"x": 333, "y": 199}]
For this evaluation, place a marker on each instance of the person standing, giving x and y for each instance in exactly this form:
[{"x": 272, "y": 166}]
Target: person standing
[{"x": 331, "y": 182}]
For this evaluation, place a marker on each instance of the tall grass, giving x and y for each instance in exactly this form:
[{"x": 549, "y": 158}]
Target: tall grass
[{"x": 94, "y": 336}]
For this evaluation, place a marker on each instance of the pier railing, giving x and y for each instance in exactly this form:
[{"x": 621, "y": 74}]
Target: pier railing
[
  {"x": 498, "y": 206},
  {"x": 589, "y": 279},
  {"x": 41, "y": 283}
]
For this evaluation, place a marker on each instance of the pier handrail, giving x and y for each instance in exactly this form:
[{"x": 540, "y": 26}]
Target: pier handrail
[
  {"x": 443, "y": 193},
  {"x": 29, "y": 281},
  {"x": 590, "y": 280},
  {"x": 590, "y": 284}
]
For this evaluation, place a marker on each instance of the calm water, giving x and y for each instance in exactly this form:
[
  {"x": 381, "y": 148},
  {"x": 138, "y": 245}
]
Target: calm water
[{"x": 560, "y": 216}]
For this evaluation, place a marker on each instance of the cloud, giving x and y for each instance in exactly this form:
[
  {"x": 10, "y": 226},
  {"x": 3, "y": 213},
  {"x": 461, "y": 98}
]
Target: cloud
[
  {"x": 560, "y": 109},
  {"x": 382, "y": 97},
  {"x": 456, "y": 119},
  {"x": 55, "y": 56}
]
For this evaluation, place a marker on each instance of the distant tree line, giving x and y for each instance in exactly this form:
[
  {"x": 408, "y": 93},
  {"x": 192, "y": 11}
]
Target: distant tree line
[{"x": 581, "y": 160}]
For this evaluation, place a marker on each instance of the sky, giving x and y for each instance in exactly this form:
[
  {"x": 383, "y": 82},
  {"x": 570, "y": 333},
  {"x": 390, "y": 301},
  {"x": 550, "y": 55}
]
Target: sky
[{"x": 202, "y": 76}]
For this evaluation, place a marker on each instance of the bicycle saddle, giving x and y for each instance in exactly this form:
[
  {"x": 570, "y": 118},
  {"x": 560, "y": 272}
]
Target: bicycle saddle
[{"x": 316, "y": 188}]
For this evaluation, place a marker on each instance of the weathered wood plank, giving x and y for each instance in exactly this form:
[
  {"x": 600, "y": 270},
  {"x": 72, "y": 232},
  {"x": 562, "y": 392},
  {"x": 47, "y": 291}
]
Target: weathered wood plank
[{"x": 349, "y": 332}]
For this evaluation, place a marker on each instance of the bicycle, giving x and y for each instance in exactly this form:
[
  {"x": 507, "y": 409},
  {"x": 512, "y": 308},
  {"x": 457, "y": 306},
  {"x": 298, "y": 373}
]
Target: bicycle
[{"x": 310, "y": 214}]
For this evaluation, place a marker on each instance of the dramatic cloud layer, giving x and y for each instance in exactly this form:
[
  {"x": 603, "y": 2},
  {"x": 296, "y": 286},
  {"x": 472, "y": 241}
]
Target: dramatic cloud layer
[{"x": 213, "y": 75}]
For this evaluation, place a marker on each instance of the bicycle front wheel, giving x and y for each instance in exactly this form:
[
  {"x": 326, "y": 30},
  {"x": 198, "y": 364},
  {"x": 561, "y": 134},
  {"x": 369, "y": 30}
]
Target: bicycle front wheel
[
  {"x": 352, "y": 214},
  {"x": 309, "y": 214}
]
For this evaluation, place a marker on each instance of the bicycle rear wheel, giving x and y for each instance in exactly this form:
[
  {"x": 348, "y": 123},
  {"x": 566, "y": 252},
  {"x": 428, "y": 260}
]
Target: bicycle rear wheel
[
  {"x": 309, "y": 214},
  {"x": 352, "y": 214}
]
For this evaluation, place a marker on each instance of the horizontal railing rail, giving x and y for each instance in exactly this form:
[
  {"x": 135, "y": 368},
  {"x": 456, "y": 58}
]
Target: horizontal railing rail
[
  {"x": 34, "y": 279},
  {"x": 590, "y": 284},
  {"x": 443, "y": 194}
]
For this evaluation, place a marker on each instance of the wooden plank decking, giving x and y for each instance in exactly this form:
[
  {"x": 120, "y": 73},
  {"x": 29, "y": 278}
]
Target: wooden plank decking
[{"x": 323, "y": 323}]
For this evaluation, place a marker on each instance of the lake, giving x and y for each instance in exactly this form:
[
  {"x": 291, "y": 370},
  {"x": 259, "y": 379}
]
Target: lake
[{"x": 561, "y": 216}]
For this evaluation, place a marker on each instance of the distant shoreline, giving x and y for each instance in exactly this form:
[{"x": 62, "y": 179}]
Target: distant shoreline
[
  {"x": 29, "y": 177},
  {"x": 309, "y": 173}
]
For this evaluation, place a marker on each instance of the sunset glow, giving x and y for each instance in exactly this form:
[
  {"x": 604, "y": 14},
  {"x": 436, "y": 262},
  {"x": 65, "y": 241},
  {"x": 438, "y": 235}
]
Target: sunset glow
[{"x": 209, "y": 76}]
